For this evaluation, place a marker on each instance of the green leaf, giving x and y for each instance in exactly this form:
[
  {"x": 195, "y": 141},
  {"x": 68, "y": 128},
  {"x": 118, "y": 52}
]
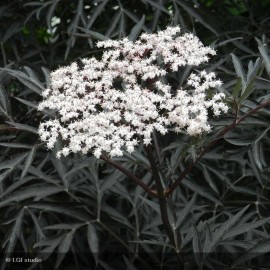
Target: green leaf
[
  {"x": 64, "y": 247},
  {"x": 239, "y": 70},
  {"x": 266, "y": 60},
  {"x": 237, "y": 243},
  {"x": 254, "y": 168},
  {"x": 16, "y": 145},
  {"x": 10, "y": 165},
  {"x": 52, "y": 241},
  {"x": 197, "y": 247},
  {"x": 37, "y": 223},
  {"x": 157, "y": 5},
  {"x": 262, "y": 83},
  {"x": 209, "y": 179},
  {"x": 51, "y": 246},
  {"x": 247, "y": 91},
  {"x": 16, "y": 185},
  {"x": 94, "y": 35},
  {"x": 222, "y": 43},
  {"x": 156, "y": 18},
  {"x": 256, "y": 153},
  {"x": 47, "y": 75},
  {"x": 253, "y": 69},
  {"x": 109, "y": 181},
  {"x": 114, "y": 22},
  {"x": 155, "y": 222},
  {"x": 50, "y": 13},
  {"x": 34, "y": 85},
  {"x": 153, "y": 205},
  {"x": 138, "y": 157},
  {"x": 37, "y": 191},
  {"x": 28, "y": 161},
  {"x": 135, "y": 18},
  {"x": 261, "y": 248},
  {"x": 43, "y": 176},
  {"x": 68, "y": 209},
  {"x": 60, "y": 167},
  {"x": 122, "y": 26},
  {"x": 208, "y": 236},
  {"x": 4, "y": 101},
  {"x": 237, "y": 140},
  {"x": 135, "y": 31},
  {"x": 114, "y": 214},
  {"x": 96, "y": 13},
  {"x": 202, "y": 224},
  {"x": 200, "y": 190},
  {"x": 64, "y": 226},
  {"x": 195, "y": 15},
  {"x": 32, "y": 75},
  {"x": 11, "y": 31},
  {"x": 28, "y": 103},
  {"x": 237, "y": 88},
  {"x": 244, "y": 228},
  {"x": 155, "y": 243},
  {"x": 243, "y": 47},
  {"x": 12, "y": 236},
  {"x": 93, "y": 241},
  {"x": 183, "y": 214},
  {"x": 23, "y": 127},
  {"x": 223, "y": 229},
  {"x": 80, "y": 165}
]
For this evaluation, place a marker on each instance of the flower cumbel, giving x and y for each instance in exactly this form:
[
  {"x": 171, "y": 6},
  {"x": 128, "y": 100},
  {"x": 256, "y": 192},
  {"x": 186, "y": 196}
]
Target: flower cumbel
[{"x": 104, "y": 106}]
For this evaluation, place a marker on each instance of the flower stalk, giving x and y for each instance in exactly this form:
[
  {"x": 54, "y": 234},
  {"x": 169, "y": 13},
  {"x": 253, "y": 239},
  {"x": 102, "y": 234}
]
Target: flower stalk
[
  {"x": 130, "y": 175},
  {"x": 161, "y": 195}
]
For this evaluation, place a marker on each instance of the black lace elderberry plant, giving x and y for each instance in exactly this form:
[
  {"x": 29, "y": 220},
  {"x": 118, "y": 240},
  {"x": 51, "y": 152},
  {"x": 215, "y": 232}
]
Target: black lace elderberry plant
[{"x": 96, "y": 116}]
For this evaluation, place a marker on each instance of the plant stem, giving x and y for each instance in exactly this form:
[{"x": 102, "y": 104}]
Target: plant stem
[
  {"x": 211, "y": 144},
  {"x": 133, "y": 177},
  {"x": 160, "y": 193}
]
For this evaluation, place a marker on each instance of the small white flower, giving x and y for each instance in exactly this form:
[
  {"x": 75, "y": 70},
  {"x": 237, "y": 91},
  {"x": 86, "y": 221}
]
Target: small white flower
[{"x": 106, "y": 104}]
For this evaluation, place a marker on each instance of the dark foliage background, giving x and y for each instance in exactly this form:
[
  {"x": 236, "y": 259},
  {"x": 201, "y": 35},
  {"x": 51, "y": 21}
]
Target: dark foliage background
[{"x": 79, "y": 212}]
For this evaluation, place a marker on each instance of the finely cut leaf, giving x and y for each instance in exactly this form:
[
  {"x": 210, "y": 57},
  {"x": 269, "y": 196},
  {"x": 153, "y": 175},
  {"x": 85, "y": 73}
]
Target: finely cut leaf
[
  {"x": 237, "y": 88},
  {"x": 4, "y": 102},
  {"x": 247, "y": 91},
  {"x": 64, "y": 247},
  {"x": 12, "y": 236},
  {"x": 28, "y": 161},
  {"x": 239, "y": 70},
  {"x": 157, "y": 5},
  {"x": 32, "y": 191},
  {"x": 93, "y": 241},
  {"x": 200, "y": 190},
  {"x": 264, "y": 53},
  {"x": 68, "y": 209},
  {"x": 11, "y": 165},
  {"x": 195, "y": 15},
  {"x": 220, "y": 232},
  {"x": 135, "y": 31},
  {"x": 244, "y": 228},
  {"x": 183, "y": 214},
  {"x": 262, "y": 248},
  {"x": 23, "y": 127}
]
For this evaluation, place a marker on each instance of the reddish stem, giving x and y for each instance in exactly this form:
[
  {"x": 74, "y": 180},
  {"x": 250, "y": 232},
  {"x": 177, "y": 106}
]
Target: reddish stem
[
  {"x": 211, "y": 144},
  {"x": 133, "y": 177}
]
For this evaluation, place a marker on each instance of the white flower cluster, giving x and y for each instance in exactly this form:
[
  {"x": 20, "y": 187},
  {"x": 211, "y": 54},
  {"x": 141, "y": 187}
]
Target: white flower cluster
[{"x": 107, "y": 104}]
